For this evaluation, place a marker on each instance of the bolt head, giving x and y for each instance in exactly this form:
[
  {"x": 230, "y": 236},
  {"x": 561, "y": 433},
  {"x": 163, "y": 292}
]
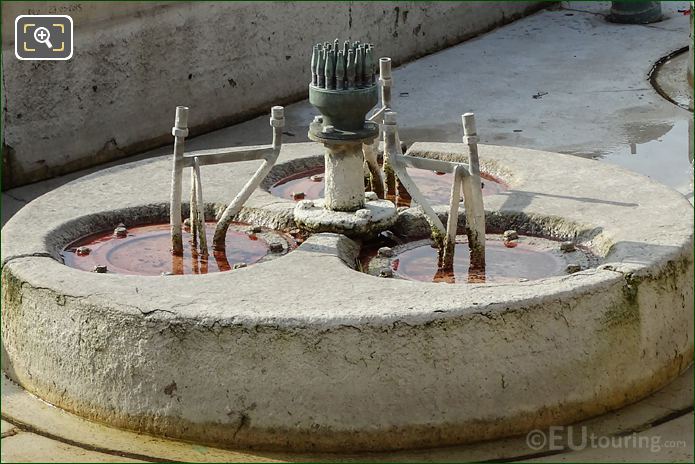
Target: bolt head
[
  {"x": 510, "y": 235},
  {"x": 305, "y": 204},
  {"x": 276, "y": 247},
  {"x": 83, "y": 251},
  {"x": 572, "y": 268},
  {"x": 363, "y": 213},
  {"x": 386, "y": 236},
  {"x": 386, "y": 272},
  {"x": 120, "y": 232},
  {"x": 567, "y": 247},
  {"x": 385, "y": 252}
]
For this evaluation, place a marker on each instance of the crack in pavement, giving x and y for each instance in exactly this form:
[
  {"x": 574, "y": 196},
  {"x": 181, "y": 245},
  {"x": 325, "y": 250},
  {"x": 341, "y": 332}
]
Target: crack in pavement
[{"x": 25, "y": 427}]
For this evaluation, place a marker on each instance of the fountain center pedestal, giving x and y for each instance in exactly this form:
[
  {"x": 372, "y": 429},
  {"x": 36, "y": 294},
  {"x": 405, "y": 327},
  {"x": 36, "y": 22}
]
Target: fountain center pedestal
[{"x": 343, "y": 89}]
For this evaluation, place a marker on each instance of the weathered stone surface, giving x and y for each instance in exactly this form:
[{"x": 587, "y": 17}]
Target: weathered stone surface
[
  {"x": 376, "y": 216},
  {"x": 45, "y": 419},
  {"x": 327, "y": 362}
]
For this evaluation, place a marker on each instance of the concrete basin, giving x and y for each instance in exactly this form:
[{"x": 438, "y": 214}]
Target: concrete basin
[{"x": 305, "y": 353}]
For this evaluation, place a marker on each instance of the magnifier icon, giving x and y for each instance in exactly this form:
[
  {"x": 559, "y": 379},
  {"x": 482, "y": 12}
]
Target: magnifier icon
[{"x": 41, "y": 35}]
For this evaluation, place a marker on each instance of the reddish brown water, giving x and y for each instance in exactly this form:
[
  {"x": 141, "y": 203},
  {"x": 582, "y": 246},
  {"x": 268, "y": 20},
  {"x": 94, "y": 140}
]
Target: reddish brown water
[
  {"x": 435, "y": 187},
  {"x": 146, "y": 251},
  {"x": 503, "y": 264}
]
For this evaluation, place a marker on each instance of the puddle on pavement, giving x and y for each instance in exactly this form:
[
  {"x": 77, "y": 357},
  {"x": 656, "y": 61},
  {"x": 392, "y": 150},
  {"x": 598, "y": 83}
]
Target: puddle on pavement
[{"x": 658, "y": 151}]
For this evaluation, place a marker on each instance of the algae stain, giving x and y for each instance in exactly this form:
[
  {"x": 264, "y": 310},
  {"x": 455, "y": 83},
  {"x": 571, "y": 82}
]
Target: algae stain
[
  {"x": 11, "y": 289},
  {"x": 621, "y": 314},
  {"x": 626, "y": 312}
]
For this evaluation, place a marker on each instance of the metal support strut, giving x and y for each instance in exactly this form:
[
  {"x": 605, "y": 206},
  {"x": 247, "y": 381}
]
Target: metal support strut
[
  {"x": 193, "y": 160},
  {"x": 466, "y": 180}
]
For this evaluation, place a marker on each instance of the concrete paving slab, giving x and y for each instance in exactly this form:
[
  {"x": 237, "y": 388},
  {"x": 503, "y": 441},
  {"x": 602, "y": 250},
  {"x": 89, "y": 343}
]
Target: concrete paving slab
[
  {"x": 673, "y": 400},
  {"x": 10, "y": 205},
  {"x": 669, "y": 442},
  {"x": 29, "y": 447},
  {"x": 676, "y": 397},
  {"x": 8, "y": 429}
]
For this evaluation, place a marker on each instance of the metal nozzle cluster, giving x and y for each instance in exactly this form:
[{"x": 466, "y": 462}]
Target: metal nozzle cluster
[{"x": 343, "y": 67}]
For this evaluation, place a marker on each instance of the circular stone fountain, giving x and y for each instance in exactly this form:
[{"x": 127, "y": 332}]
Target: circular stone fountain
[{"x": 305, "y": 352}]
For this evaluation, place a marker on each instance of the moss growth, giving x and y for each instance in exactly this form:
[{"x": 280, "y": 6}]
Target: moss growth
[
  {"x": 390, "y": 176},
  {"x": 621, "y": 314},
  {"x": 627, "y": 311},
  {"x": 11, "y": 289},
  {"x": 446, "y": 255}
]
